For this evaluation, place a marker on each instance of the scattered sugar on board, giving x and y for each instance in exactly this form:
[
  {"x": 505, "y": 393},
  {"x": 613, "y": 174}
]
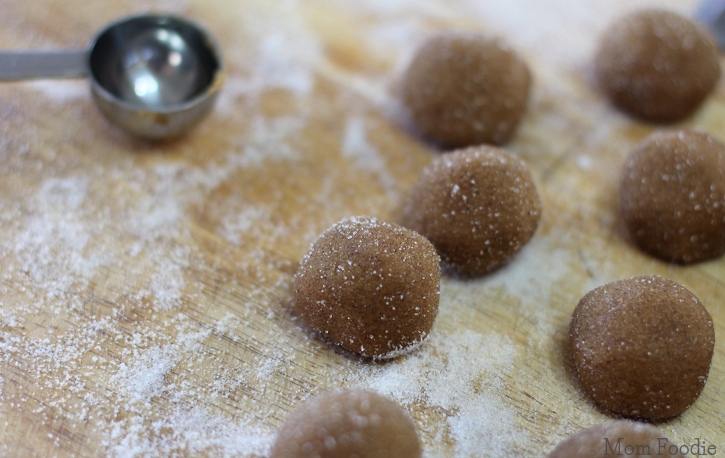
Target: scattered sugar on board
[
  {"x": 186, "y": 425},
  {"x": 50, "y": 249},
  {"x": 459, "y": 374},
  {"x": 130, "y": 359},
  {"x": 366, "y": 156},
  {"x": 268, "y": 140},
  {"x": 194, "y": 430},
  {"x": 279, "y": 53},
  {"x": 64, "y": 241},
  {"x": 61, "y": 92},
  {"x": 144, "y": 379},
  {"x": 237, "y": 224}
]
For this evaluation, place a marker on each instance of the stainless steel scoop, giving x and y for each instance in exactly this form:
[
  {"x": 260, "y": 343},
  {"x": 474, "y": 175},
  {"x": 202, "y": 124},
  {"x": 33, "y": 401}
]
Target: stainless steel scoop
[{"x": 152, "y": 75}]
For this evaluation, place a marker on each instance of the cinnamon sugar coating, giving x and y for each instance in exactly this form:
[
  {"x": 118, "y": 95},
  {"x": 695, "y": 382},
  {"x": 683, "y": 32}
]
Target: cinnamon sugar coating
[
  {"x": 642, "y": 347},
  {"x": 464, "y": 89},
  {"x": 672, "y": 196},
  {"x": 657, "y": 65},
  {"x": 348, "y": 423},
  {"x": 478, "y": 206},
  {"x": 370, "y": 286}
]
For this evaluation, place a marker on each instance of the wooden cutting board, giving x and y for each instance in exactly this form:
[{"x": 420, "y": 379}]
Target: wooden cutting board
[{"x": 145, "y": 303}]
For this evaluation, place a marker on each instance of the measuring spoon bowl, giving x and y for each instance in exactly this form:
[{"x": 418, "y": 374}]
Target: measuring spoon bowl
[{"x": 153, "y": 75}]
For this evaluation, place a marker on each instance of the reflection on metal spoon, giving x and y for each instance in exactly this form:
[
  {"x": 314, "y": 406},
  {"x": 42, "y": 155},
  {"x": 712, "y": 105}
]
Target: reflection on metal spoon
[{"x": 152, "y": 75}]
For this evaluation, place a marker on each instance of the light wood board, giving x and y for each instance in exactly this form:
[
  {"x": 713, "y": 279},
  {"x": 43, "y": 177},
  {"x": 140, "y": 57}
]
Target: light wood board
[{"x": 145, "y": 301}]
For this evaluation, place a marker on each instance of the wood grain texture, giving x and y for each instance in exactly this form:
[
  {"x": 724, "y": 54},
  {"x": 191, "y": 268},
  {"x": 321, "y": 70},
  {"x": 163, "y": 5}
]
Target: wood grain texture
[{"x": 145, "y": 302}]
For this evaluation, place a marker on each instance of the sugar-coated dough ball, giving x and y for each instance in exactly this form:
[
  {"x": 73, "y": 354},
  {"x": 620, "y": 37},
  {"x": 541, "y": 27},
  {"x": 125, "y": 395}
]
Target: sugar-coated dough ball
[
  {"x": 370, "y": 286},
  {"x": 478, "y": 206},
  {"x": 347, "y": 424},
  {"x": 657, "y": 65},
  {"x": 617, "y": 438},
  {"x": 673, "y": 196},
  {"x": 465, "y": 89},
  {"x": 642, "y": 347}
]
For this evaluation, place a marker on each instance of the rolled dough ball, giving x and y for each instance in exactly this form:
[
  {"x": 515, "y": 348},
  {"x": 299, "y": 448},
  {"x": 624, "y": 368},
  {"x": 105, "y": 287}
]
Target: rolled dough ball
[
  {"x": 370, "y": 286},
  {"x": 642, "y": 347},
  {"x": 657, "y": 65},
  {"x": 348, "y": 423},
  {"x": 463, "y": 89},
  {"x": 617, "y": 438},
  {"x": 673, "y": 196},
  {"x": 478, "y": 206}
]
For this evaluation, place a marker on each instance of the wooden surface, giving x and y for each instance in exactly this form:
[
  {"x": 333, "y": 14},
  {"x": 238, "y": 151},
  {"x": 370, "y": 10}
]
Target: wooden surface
[{"x": 145, "y": 305}]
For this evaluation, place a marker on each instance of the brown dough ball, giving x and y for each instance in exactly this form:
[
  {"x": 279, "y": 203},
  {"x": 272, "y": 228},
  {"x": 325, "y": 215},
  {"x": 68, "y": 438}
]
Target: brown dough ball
[
  {"x": 465, "y": 89},
  {"x": 478, "y": 206},
  {"x": 657, "y": 65},
  {"x": 370, "y": 286},
  {"x": 349, "y": 423},
  {"x": 616, "y": 438},
  {"x": 642, "y": 347},
  {"x": 673, "y": 196}
]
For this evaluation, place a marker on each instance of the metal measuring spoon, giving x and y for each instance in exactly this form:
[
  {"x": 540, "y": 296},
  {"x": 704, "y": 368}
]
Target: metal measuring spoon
[{"x": 152, "y": 75}]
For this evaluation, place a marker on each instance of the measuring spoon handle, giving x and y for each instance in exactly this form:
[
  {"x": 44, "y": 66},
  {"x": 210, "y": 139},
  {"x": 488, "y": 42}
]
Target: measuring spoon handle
[{"x": 20, "y": 65}]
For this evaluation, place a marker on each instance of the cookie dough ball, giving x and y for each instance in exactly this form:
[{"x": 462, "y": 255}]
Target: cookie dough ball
[
  {"x": 349, "y": 423},
  {"x": 642, "y": 347},
  {"x": 617, "y": 438},
  {"x": 464, "y": 89},
  {"x": 478, "y": 206},
  {"x": 673, "y": 196},
  {"x": 657, "y": 65},
  {"x": 370, "y": 286}
]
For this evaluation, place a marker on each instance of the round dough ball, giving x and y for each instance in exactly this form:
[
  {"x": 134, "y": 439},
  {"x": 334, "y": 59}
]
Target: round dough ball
[
  {"x": 478, "y": 206},
  {"x": 657, "y": 65},
  {"x": 348, "y": 423},
  {"x": 642, "y": 347},
  {"x": 673, "y": 196},
  {"x": 370, "y": 286},
  {"x": 465, "y": 89},
  {"x": 617, "y": 438}
]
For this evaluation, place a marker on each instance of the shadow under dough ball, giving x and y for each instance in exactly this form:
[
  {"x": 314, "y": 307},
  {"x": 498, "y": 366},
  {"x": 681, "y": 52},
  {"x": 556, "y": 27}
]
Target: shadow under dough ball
[
  {"x": 478, "y": 206},
  {"x": 642, "y": 347},
  {"x": 657, "y": 65},
  {"x": 617, "y": 438},
  {"x": 370, "y": 286},
  {"x": 348, "y": 423},
  {"x": 672, "y": 196},
  {"x": 465, "y": 89}
]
